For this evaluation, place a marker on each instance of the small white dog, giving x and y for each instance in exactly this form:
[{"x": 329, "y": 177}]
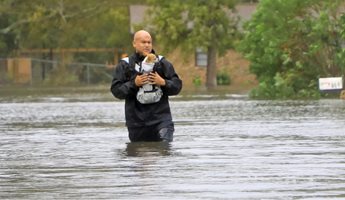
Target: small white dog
[
  {"x": 148, "y": 63},
  {"x": 149, "y": 93}
]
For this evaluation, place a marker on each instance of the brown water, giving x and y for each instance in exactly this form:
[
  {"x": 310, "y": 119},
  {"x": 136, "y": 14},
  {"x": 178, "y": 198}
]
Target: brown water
[{"x": 53, "y": 148}]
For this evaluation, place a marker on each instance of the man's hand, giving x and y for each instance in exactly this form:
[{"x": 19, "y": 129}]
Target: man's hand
[
  {"x": 141, "y": 80},
  {"x": 152, "y": 78},
  {"x": 156, "y": 79}
]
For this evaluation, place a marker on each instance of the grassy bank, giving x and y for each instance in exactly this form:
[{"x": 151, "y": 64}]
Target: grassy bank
[
  {"x": 37, "y": 93},
  {"x": 51, "y": 90},
  {"x": 102, "y": 93}
]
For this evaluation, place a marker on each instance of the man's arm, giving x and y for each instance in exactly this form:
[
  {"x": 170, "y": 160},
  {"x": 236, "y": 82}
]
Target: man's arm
[
  {"x": 122, "y": 84},
  {"x": 173, "y": 83}
]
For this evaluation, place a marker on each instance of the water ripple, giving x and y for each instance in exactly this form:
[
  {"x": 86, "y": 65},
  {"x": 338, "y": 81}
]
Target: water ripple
[{"x": 223, "y": 149}]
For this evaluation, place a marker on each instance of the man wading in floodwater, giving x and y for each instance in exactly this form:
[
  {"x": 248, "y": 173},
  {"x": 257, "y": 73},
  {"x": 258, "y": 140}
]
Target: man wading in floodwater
[{"x": 145, "y": 86}]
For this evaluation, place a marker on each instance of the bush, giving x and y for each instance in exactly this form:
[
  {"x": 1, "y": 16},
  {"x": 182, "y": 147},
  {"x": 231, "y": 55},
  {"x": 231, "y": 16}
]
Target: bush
[
  {"x": 223, "y": 79},
  {"x": 61, "y": 77},
  {"x": 197, "y": 81}
]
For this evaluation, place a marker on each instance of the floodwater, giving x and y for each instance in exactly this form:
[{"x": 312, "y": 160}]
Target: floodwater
[{"x": 235, "y": 148}]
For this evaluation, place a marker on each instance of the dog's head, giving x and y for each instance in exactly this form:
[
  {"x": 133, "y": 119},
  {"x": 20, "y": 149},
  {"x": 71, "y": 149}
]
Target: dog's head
[{"x": 151, "y": 58}]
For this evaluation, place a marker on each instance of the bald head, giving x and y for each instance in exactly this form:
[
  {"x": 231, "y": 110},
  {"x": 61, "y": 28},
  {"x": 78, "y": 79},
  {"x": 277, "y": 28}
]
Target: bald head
[
  {"x": 142, "y": 42},
  {"x": 141, "y": 34}
]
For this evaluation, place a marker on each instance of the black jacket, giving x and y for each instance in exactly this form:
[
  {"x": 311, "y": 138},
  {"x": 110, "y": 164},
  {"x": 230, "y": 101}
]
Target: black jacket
[{"x": 123, "y": 87}]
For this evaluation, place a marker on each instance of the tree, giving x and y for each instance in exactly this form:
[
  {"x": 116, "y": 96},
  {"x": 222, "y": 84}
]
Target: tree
[
  {"x": 63, "y": 24},
  {"x": 57, "y": 24},
  {"x": 206, "y": 24},
  {"x": 290, "y": 51}
]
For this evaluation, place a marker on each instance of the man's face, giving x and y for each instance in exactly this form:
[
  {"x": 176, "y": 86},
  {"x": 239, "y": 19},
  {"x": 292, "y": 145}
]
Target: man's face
[{"x": 143, "y": 44}]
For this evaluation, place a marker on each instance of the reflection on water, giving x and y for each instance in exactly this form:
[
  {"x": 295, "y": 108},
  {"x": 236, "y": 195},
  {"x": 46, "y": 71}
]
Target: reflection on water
[
  {"x": 142, "y": 149},
  {"x": 222, "y": 149}
]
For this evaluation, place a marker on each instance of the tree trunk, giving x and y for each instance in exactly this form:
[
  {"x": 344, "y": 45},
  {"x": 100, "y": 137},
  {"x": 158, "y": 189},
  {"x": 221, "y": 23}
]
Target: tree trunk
[{"x": 211, "y": 73}]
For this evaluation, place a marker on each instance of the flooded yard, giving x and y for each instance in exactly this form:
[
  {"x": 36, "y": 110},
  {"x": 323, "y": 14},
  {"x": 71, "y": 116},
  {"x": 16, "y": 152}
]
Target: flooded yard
[{"x": 235, "y": 148}]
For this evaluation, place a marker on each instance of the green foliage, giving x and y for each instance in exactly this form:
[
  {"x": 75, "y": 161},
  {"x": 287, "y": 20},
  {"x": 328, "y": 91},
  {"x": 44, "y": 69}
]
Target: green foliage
[
  {"x": 290, "y": 51},
  {"x": 280, "y": 88},
  {"x": 249, "y": 1},
  {"x": 193, "y": 24},
  {"x": 5, "y": 78},
  {"x": 223, "y": 78},
  {"x": 7, "y": 41},
  {"x": 61, "y": 77},
  {"x": 204, "y": 24},
  {"x": 197, "y": 81},
  {"x": 65, "y": 24}
]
